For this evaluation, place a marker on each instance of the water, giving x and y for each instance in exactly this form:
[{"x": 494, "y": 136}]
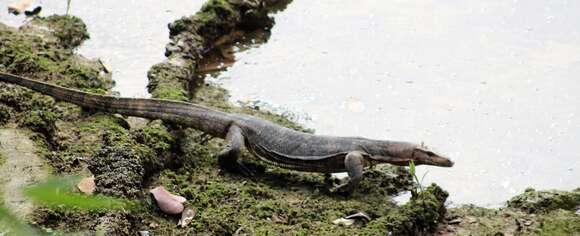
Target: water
[
  {"x": 129, "y": 36},
  {"x": 491, "y": 84}
]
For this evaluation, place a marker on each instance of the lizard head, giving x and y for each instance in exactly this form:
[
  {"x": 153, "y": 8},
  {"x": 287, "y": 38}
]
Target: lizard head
[{"x": 402, "y": 154}]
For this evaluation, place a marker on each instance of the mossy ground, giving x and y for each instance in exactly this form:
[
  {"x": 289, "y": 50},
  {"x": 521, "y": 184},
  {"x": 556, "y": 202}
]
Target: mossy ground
[
  {"x": 66, "y": 135},
  {"x": 275, "y": 201},
  {"x": 530, "y": 213}
]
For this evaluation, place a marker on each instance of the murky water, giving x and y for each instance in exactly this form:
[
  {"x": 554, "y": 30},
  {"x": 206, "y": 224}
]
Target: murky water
[
  {"x": 129, "y": 36},
  {"x": 493, "y": 84}
]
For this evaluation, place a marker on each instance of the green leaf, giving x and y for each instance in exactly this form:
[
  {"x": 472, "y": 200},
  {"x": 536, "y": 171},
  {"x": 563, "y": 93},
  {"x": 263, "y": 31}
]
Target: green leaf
[
  {"x": 57, "y": 192},
  {"x": 68, "y": 6},
  {"x": 412, "y": 167}
]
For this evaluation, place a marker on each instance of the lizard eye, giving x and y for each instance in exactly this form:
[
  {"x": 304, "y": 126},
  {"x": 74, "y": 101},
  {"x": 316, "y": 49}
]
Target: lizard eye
[{"x": 424, "y": 150}]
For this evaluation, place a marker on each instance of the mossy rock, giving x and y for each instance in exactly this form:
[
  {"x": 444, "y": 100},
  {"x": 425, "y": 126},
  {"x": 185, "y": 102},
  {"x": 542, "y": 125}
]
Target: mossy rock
[
  {"x": 71, "y": 31},
  {"x": 531, "y": 213},
  {"x": 167, "y": 81},
  {"x": 533, "y": 201},
  {"x": 5, "y": 114},
  {"x": 421, "y": 215},
  {"x": 118, "y": 170}
]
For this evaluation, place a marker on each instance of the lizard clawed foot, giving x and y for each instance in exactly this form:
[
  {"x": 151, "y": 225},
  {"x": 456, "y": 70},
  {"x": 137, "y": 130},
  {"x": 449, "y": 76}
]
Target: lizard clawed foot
[{"x": 238, "y": 168}]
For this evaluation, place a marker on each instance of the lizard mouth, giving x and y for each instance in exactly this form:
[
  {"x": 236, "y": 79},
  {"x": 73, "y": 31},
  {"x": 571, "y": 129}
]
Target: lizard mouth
[{"x": 436, "y": 161}]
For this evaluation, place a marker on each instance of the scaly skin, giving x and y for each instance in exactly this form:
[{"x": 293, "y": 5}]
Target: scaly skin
[{"x": 272, "y": 143}]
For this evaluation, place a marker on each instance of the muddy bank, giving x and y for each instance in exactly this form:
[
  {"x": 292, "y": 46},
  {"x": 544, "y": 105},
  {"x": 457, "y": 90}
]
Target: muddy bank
[
  {"x": 126, "y": 160},
  {"x": 20, "y": 166},
  {"x": 66, "y": 136},
  {"x": 129, "y": 159},
  {"x": 530, "y": 213}
]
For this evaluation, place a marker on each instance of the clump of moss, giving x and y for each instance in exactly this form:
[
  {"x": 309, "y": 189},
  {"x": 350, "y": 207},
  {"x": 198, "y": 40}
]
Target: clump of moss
[
  {"x": 70, "y": 30},
  {"x": 117, "y": 169},
  {"x": 80, "y": 137},
  {"x": 41, "y": 121},
  {"x": 558, "y": 222},
  {"x": 216, "y": 18},
  {"x": 35, "y": 52},
  {"x": 5, "y": 114},
  {"x": 167, "y": 81},
  {"x": 530, "y": 213},
  {"x": 192, "y": 36},
  {"x": 419, "y": 216},
  {"x": 157, "y": 146},
  {"x": 533, "y": 201}
]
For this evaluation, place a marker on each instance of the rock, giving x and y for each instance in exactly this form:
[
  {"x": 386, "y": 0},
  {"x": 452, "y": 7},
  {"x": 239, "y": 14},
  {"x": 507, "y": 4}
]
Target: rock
[
  {"x": 532, "y": 201},
  {"x": 87, "y": 185}
]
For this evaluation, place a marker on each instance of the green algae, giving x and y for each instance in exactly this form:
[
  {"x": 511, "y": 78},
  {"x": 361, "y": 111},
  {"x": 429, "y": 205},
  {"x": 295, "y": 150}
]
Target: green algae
[
  {"x": 419, "y": 216},
  {"x": 533, "y": 201},
  {"x": 71, "y": 31},
  {"x": 5, "y": 114},
  {"x": 167, "y": 81},
  {"x": 67, "y": 135},
  {"x": 534, "y": 218},
  {"x": 118, "y": 170},
  {"x": 275, "y": 201},
  {"x": 272, "y": 202}
]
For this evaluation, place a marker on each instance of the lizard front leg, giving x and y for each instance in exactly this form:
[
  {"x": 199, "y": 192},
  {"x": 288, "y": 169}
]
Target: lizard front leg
[
  {"x": 354, "y": 163},
  {"x": 228, "y": 158}
]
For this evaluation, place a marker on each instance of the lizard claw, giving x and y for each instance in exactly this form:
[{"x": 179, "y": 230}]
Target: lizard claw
[
  {"x": 245, "y": 170},
  {"x": 238, "y": 168}
]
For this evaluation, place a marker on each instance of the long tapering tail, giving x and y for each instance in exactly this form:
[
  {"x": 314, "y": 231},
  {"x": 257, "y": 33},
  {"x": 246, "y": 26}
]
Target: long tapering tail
[{"x": 192, "y": 115}]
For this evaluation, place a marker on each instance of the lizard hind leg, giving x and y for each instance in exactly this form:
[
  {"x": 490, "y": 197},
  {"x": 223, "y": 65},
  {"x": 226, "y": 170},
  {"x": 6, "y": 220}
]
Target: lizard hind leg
[
  {"x": 354, "y": 163},
  {"x": 228, "y": 157}
]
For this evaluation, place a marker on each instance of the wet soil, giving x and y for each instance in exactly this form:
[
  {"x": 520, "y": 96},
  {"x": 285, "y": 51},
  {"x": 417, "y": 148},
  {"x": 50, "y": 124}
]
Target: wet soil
[{"x": 21, "y": 166}]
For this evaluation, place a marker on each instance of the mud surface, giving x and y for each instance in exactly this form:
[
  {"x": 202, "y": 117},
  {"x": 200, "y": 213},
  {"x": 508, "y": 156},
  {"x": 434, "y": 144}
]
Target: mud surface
[{"x": 20, "y": 166}]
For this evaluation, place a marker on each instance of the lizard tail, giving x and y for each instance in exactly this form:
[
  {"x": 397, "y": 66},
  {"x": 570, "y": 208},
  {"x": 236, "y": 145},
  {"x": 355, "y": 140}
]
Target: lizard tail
[{"x": 192, "y": 115}]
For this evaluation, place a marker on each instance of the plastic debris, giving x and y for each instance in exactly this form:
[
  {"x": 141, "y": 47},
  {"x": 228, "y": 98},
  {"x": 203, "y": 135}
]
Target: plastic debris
[
  {"x": 351, "y": 219},
  {"x": 186, "y": 217}
]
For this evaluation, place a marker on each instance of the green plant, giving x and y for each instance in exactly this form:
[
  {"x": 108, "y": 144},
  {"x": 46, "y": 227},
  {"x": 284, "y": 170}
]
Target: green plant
[
  {"x": 412, "y": 171},
  {"x": 68, "y": 6},
  {"x": 57, "y": 192}
]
